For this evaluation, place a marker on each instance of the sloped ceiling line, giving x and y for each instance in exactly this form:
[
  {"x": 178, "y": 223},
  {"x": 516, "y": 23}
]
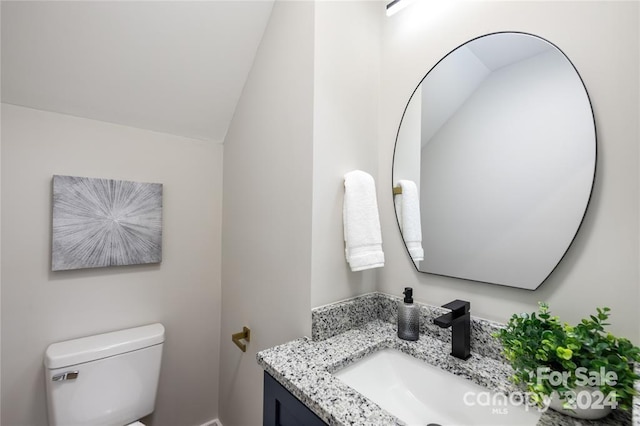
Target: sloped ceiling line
[{"x": 174, "y": 67}]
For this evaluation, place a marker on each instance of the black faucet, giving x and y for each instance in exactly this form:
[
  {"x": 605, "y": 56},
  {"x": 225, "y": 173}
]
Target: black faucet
[{"x": 459, "y": 319}]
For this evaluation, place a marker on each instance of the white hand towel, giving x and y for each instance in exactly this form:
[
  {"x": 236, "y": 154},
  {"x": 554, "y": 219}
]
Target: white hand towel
[
  {"x": 408, "y": 210},
  {"x": 362, "y": 235}
]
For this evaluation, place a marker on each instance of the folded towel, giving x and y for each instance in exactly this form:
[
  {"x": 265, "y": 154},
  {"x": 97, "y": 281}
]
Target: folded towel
[
  {"x": 408, "y": 211},
  {"x": 362, "y": 235}
]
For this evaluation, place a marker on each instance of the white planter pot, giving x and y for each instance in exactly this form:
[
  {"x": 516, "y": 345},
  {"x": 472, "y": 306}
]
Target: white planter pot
[{"x": 588, "y": 403}]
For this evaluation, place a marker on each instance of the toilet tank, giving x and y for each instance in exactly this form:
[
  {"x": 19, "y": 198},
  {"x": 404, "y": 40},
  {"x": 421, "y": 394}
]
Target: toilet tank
[{"x": 107, "y": 379}]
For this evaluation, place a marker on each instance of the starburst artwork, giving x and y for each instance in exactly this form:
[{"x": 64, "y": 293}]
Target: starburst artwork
[{"x": 105, "y": 222}]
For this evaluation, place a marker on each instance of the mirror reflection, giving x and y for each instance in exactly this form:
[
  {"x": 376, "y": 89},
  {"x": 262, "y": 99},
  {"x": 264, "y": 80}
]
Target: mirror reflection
[{"x": 495, "y": 158}]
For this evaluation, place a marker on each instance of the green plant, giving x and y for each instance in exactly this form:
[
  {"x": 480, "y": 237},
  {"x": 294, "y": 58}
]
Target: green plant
[{"x": 542, "y": 350}]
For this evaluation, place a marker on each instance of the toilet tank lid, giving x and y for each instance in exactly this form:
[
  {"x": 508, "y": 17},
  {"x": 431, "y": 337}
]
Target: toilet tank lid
[{"x": 91, "y": 348}]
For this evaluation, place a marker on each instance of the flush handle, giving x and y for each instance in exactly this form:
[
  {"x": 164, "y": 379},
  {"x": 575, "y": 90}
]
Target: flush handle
[{"x": 69, "y": 375}]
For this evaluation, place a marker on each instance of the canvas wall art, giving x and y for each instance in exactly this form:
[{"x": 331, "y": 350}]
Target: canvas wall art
[{"x": 105, "y": 222}]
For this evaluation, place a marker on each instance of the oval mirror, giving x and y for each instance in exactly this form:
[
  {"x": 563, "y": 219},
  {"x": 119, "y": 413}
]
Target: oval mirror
[{"x": 494, "y": 161}]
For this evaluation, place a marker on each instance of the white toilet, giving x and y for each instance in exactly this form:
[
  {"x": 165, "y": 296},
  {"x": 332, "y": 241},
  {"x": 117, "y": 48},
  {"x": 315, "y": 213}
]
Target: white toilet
[{"x": 104, "y": 380}]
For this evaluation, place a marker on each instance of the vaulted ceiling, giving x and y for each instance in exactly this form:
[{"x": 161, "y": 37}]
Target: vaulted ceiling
[{"x": 170, "y": 66}]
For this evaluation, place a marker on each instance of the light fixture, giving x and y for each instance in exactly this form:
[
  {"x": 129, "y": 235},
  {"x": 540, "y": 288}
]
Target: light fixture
[{"x": 397, "y": 5}]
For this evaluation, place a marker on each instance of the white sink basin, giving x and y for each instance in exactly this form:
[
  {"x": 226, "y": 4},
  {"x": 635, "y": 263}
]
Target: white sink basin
[{"x": 420, "y": 394}]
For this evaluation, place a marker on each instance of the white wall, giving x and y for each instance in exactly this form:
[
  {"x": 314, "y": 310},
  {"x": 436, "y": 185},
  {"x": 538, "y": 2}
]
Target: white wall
[
  {"x": 0, "y": 244},
  {"x": 266, "y": 240},
  {"x": 40, "y": 307},
  {"x": 345, "y": 135},
  {"x": 601, "y": 38},
  {"x": 308, "y": 115}
]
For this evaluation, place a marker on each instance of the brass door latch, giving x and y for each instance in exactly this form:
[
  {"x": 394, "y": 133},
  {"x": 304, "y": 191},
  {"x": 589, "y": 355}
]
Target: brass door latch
[{"x": 245, "y": 334}]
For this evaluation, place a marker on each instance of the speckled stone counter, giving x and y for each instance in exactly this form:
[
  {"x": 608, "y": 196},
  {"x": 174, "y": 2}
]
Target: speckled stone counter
[
  {"x": 305, "y": 366},
  {"x": 636, "y": 400}
]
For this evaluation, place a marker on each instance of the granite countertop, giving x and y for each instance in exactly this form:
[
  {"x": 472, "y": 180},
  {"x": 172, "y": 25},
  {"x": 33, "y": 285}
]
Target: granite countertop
[{"x": 305, "y": 366}]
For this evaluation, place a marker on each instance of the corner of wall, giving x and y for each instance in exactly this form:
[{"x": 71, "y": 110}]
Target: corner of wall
[{"x": 266, "y": 241}]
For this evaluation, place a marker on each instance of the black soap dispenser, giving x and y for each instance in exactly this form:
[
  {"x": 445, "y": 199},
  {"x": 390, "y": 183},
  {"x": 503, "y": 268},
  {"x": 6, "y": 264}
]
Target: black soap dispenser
[{"x": 408, "y": 317}]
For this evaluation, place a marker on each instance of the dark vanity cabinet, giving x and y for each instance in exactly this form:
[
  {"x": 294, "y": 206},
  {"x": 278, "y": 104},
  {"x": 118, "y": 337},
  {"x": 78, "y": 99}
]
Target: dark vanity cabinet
[{"x": 281, "y": 408}]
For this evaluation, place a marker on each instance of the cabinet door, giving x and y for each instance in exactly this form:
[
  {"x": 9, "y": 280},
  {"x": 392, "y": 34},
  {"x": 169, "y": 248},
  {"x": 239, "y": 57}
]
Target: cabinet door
[{"x": 281, "y": 408}]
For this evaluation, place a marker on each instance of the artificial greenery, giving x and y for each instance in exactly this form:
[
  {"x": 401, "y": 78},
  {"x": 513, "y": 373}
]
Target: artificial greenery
[{"x": 538, "y": 340}]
